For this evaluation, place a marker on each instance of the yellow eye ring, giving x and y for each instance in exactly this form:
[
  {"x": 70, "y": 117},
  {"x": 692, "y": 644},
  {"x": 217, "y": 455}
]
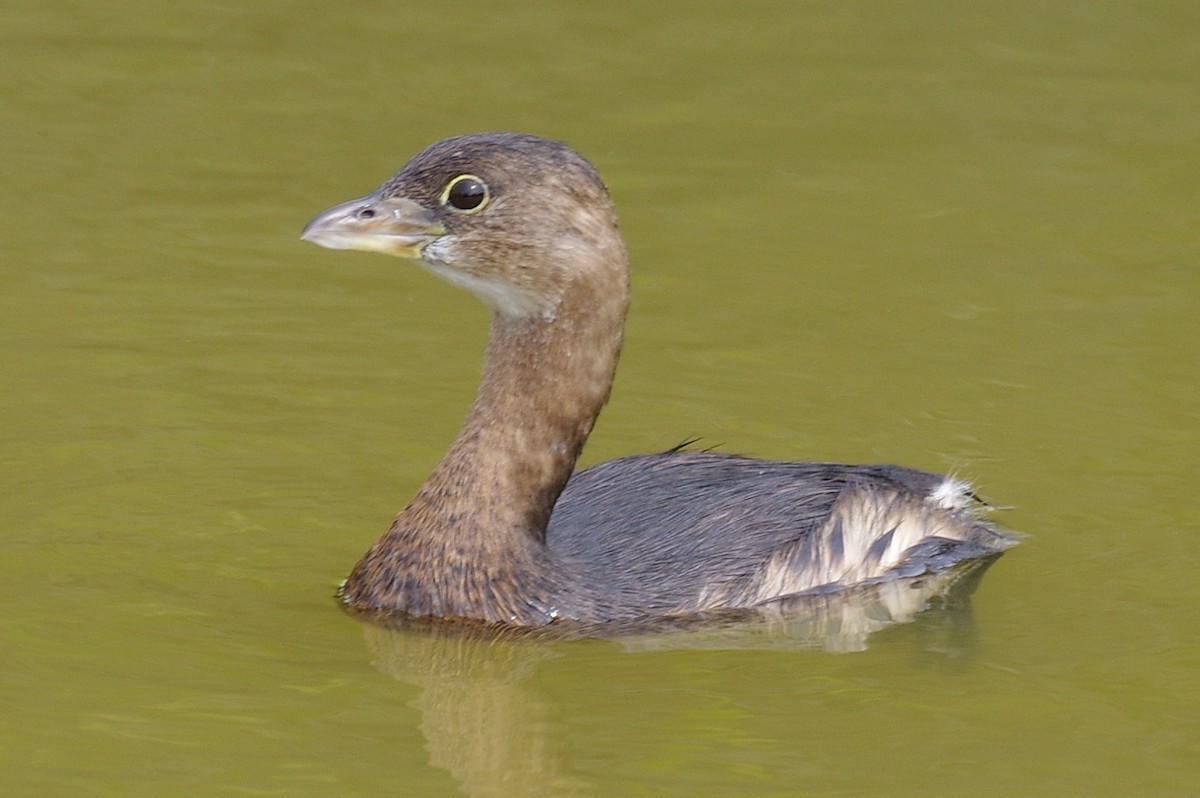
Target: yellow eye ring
[{"x": 466, "y": 194}]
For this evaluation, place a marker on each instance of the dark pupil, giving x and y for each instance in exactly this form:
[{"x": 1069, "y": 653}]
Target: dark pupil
[{"x": 466, "y": 195}]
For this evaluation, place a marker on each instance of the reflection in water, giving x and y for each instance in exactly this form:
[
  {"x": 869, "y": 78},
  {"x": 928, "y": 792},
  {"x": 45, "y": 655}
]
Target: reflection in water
[
  {"x": 842, "y": 621},
  {"x": 496, "y": 735},
  {"x": 481, "y": 720}
]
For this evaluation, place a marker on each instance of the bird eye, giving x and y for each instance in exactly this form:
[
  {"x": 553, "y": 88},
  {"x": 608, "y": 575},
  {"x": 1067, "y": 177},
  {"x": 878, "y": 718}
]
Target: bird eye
[{"x": 465, "y": 194}]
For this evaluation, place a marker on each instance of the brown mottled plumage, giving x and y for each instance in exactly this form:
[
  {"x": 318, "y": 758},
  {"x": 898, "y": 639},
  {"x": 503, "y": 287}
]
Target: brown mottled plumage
[{"x": 498, "y": 533}]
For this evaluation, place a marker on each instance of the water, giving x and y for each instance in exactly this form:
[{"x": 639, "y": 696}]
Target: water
[{"x": 956, "y": 237}]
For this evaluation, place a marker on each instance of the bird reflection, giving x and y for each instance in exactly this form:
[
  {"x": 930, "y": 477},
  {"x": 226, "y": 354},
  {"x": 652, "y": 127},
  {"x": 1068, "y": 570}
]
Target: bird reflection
[{"x": 486, "y": 724}]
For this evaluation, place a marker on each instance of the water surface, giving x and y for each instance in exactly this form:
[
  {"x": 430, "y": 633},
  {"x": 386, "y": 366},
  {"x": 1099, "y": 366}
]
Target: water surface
[{"x": 960, "y": 237}]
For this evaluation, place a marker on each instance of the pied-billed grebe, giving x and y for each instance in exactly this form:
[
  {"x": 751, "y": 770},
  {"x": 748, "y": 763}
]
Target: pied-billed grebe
[{"x": 502, "y": 531}]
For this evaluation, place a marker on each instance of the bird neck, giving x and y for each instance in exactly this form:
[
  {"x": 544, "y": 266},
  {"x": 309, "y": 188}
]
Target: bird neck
[
  {"x": 545, "y": 381},
  {"x": 472, "y": 540}
]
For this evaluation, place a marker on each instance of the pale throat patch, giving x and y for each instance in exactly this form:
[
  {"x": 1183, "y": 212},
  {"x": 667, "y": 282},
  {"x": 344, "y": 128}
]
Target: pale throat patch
[{"x": 501, "y": 297}]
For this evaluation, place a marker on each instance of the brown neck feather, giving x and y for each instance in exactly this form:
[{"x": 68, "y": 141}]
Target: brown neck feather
[{"x": 472, "y": 541}]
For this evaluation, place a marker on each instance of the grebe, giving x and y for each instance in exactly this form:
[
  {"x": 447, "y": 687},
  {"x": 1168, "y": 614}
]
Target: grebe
[{"x": 502, "y": 531}]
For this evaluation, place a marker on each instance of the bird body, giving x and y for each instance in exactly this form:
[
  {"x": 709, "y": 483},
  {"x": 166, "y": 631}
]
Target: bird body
[{"x": 502, "y": 531}]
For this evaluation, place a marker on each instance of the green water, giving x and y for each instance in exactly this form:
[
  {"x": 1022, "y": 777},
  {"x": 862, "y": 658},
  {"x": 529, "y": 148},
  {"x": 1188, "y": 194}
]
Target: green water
[{"x": 958, "y": 236}]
